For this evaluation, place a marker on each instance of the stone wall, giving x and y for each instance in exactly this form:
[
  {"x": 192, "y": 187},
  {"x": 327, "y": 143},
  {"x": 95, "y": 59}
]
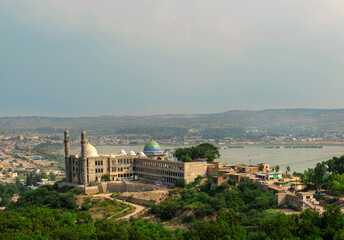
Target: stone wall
[
  {"x": 110, "y": 187},
  {"x": 193, "y": 169},
  {"x": 132, "y": 187},
  {"x": 91, "y": 190},
  {"x": 137, "y": 201},
  {"x": 102, "y": 186},
  {"x": 281, "y": 198},
  {"x": 294, "y": 202}
]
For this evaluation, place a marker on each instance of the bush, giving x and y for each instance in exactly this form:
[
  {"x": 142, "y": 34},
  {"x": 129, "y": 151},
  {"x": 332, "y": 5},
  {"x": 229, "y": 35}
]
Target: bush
[
  {"x": 166, "y": 210},
  {"x": 181, "y": 183},
  {"x": 106, "y": 177}
]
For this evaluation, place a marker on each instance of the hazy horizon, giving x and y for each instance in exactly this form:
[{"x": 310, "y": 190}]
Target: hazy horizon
[
  {"x": 86, "y": 58},
  {"x": 165, "y": 114}
]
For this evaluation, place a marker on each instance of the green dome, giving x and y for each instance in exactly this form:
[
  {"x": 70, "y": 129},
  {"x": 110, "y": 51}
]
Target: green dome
[{"x": 152, "y": 147}]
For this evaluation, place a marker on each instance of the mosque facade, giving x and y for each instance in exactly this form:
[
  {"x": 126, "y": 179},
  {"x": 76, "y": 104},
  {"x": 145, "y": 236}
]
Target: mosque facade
[{"x": 150, "y": 164}]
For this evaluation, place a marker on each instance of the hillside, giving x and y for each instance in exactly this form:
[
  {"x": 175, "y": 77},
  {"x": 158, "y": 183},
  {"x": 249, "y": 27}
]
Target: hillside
[{"x": 278, "y": 121}]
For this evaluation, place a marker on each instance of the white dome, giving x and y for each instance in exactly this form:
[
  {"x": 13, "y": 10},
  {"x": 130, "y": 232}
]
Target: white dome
[
  {"x": 132, "y": 153},
  {"x": 123, "y": 153},
  {"x": 141, "y": 154},
  {"x": 91, "y": 151}
]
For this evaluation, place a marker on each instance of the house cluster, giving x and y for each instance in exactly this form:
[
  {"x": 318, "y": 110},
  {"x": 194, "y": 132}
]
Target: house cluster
[
  {"x": 287, "y": 191},
  {"x": 239, "y": 172}
]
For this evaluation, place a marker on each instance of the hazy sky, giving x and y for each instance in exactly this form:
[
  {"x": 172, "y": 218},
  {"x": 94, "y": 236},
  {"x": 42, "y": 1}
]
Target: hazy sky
[{"x": 107, "y": 57}]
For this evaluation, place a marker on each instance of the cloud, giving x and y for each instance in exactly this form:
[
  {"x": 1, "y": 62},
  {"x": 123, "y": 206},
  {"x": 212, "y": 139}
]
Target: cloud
[
  {"x": 173, "y": 56},
  {"x": 220, "y": 25}
]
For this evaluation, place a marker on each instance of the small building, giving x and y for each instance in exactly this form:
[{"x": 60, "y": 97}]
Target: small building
[
  {"x": 15, "y": 197},
  {"x": 12, "y": 174},
  {"x": 45, "y": 181}
]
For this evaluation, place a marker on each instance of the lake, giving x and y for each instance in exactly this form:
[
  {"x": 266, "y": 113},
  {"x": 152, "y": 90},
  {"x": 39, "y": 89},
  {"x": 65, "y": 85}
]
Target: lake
[{"x": 299, "y": 159}]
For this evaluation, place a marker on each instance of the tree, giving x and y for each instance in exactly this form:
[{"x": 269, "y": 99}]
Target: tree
[
  {"x": 204, "y": 150},
  {"x": 226, "y": 226},
  {"x": 52, "y": 176},
  {"x": 210, "y": 150},
  {"x": 307, "y": 176},
  {"x": 319, "y": 172},
  {"x": 278, "y": 227},
  {"x": 43, "y": 175},
  {"x": 335, "y": 184},
  {"x": 288, "y": 169},
  {"x": 186, "y": 158},
  {"x": 277, "y": 168},
  {"x": 261, "y": 167},
  {"x": 198, "y": 180},
  {"x": 336, "y": 165},
  {"x": 181, "y": 182},
  {"x": 105, "y": 177}
]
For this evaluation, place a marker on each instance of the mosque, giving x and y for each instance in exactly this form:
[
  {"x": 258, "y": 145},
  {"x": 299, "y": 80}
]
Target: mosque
[{"x": 151, "y": 164}]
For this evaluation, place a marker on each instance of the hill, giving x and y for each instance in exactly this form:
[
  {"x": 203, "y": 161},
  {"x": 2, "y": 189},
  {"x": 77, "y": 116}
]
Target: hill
[{"x": 272, "y": 121}]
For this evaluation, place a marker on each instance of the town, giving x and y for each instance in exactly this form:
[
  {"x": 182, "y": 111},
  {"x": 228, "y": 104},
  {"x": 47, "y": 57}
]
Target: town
[
  {"x": 40, "y": 153},
  {"x": 190, "y": 185},
  {"x": 31, "y": 161}
]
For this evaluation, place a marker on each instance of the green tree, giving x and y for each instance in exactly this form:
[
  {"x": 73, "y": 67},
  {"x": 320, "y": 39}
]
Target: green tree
[
  {"x": 288, "y": 168},
  {"x": 109, "y": 230},
  {"x": 226, "y": 226},
  {"x": 204, "y": 150},
  {"x": 308, "y": 176},
  {"x": 277, "y": 168},
  {"x": 319, "y": 172},
  {"x": 167, "y": 209},
  {"x": 180, "y": 182},
  {"x": 186, "y": 158},
  {"x": 336, "y": 165},
  {"x": 278, "y": 227},
  {"x": 52, "y": 176},
  {"x": 335, "y": 184},
  {"x": 261, "y": 167},
  {"x": 198, "y": 180},
  {"x": 332, "y": 221},
  {"x": 105, "y": 177}
]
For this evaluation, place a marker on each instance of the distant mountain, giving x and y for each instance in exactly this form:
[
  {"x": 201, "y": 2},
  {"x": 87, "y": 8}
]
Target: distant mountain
[{"x": 270, "y": 120}]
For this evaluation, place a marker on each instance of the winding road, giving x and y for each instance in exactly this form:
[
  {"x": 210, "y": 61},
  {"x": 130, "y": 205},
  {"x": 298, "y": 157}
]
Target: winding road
[{"x": 138, "y": 208}]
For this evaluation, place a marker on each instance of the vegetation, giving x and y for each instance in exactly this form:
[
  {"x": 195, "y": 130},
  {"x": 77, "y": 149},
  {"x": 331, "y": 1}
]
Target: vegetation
[
  {"x": 277, "y": 168},
  {"x": 105, "y": 177},
  {"x": 288, "y": 169},
  {"x": 328, "y": 175},
  {"x": 261, "y": 167},
  {"x": 206, "y": 200},
  {"x": 7, "y": 191},
  {"x": 242, "y": 212},
  {"x": 46, "y": 196},
  {"x": 52, "y": 176},
  {"x": 181, "y": 183},
  {"x": 204, "y": 150}
]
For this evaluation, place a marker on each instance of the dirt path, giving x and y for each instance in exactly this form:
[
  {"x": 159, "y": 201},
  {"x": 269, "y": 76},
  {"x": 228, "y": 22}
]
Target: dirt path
[
  {"x": 138, "y": 208},
  {"x": 117, "y": 213}
]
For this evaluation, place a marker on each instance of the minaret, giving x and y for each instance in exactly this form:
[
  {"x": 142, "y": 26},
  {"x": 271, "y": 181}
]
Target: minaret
[
  {"x": 83, "y": 158},
  {"x": 67, "y": 155}
]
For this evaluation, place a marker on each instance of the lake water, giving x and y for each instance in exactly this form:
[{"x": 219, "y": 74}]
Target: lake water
[{"x": 299, "y": 159}]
